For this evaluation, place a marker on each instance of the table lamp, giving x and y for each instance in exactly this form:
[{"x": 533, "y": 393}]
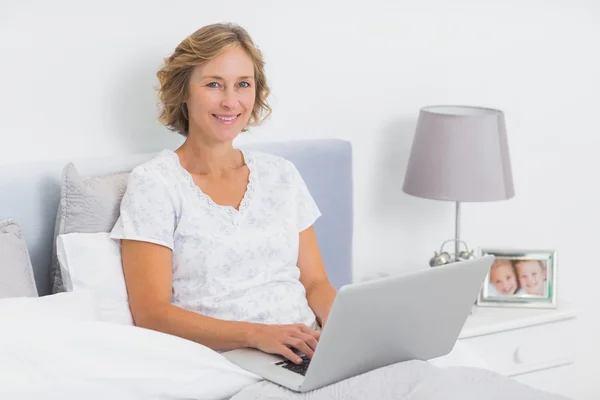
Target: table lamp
[{"x": 459, "y": 154}]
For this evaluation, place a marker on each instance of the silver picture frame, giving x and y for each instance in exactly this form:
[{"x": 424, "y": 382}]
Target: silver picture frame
[{"x": 520, "y": 259}]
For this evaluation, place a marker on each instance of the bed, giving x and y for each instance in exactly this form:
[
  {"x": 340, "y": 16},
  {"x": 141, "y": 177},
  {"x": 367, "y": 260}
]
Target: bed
[{"x": 64, "y": 344}]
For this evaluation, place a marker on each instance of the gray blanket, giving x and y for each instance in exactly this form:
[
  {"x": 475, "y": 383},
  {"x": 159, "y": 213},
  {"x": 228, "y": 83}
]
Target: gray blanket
[{"x": 413, "y": 380}]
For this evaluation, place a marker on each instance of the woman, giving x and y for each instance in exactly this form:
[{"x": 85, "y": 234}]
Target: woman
[{"x": 217, "y": 243}]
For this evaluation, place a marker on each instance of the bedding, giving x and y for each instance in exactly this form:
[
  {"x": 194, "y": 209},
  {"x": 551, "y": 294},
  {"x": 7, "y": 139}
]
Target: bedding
[
  {"x": 16, "y": 274},
  {"x": 99, "y": 360},
  {"x": 87, "y": 204},
  {"x": 92, "y": 262},
  {"x": 70, "y": 306},
  {"x": 411, "y": 380}
]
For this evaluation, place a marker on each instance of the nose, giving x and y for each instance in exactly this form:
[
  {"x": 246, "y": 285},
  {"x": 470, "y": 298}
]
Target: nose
[{"x": 230, "y": 99}]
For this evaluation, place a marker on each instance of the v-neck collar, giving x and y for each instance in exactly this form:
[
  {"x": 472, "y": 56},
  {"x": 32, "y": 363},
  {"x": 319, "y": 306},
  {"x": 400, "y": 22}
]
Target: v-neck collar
[{"x": 232, "y": 211}]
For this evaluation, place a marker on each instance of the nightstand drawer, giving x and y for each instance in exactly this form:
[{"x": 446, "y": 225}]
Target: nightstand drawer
[{"x": 526, "y": 349}]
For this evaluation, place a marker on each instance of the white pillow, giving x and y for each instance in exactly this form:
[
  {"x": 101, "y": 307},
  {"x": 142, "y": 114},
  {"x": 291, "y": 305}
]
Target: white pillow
[
  {"x": 92, "y": 262},
  {"x": 63, "y": 306}
]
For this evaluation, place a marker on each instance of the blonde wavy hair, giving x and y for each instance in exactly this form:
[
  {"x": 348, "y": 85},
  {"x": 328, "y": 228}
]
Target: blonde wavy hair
[{"x": 200, "y": 47}]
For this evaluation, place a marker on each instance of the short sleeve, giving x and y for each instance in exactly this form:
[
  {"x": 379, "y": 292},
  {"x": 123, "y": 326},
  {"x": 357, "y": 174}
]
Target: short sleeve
[
  {"x": 307, "y": 210},
  {"x": 147, "y": 211}
]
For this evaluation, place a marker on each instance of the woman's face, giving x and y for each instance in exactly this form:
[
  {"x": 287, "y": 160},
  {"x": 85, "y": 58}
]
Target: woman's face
[{"x": 221, "y": 96}]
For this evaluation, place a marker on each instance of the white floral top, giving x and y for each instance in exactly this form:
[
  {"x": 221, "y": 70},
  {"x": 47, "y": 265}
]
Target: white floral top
[{"x": 227, "y": 264}]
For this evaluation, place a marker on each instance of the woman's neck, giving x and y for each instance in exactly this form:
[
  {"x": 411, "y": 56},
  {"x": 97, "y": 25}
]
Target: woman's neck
[{"x": 208, "y": 159}]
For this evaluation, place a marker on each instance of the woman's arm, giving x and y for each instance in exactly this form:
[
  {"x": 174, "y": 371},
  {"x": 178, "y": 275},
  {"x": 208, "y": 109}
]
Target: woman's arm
[
  {"x": 148, "y": 276},
  {"x": 319, "y": 291}
]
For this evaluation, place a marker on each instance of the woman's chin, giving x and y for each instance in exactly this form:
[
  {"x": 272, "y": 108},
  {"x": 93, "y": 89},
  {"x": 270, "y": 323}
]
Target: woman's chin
[{"x": 227, "y": 134}]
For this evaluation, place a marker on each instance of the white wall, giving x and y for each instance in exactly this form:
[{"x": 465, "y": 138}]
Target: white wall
[{"x": 78, "y": 79}]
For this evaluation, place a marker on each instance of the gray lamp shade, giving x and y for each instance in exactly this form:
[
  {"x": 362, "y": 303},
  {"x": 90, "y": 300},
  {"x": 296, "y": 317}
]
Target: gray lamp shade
[{"x": 460, "y": 153}]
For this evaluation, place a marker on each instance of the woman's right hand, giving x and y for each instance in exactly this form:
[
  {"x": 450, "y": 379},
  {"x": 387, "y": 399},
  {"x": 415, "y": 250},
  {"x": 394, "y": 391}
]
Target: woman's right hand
[{"x": 277, "y": 339}]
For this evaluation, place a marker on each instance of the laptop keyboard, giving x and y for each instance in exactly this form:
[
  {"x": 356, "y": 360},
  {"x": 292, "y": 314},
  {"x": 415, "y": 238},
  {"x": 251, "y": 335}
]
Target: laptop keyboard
[{"x": 297, "y": 368}]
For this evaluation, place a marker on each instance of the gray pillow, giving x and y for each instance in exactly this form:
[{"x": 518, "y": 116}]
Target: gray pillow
[
  {"x": 87, "y": 205},
  {"x": 16, "y": 272}
]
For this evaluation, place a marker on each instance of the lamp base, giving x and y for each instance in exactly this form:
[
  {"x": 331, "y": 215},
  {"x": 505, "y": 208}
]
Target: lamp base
[{"x": 443, "y": 257}]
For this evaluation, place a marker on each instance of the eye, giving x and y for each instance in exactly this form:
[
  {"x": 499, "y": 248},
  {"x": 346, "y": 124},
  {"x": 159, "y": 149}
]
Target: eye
[
  {"x": 244, "y": 84},
  {"x": 213, "y": 84}
]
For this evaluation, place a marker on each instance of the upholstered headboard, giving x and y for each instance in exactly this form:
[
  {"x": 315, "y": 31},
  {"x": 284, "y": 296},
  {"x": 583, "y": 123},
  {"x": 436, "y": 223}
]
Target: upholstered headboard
[{"x": 30, "y": 194}]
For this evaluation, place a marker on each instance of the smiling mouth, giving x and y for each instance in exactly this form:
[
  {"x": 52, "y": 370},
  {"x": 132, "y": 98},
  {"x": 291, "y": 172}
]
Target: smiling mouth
[{"x": 226, "y": 119}]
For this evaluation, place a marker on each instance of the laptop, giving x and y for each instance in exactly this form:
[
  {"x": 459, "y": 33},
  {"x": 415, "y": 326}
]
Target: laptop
[{"x": 413, "y": 316}]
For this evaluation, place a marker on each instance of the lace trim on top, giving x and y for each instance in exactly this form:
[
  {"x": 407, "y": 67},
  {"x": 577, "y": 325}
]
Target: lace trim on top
[{"x": 248, "y": 194}]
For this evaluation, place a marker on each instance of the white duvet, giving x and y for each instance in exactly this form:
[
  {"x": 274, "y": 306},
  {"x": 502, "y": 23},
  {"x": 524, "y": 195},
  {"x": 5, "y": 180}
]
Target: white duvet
[
  {"x": 75, "y": 359},
  {"x": 42, "y": 358}
]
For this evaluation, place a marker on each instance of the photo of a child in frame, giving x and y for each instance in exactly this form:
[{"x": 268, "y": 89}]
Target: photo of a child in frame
[
  {"x": 520, "y": 278},
  {"x": 517, "y": 277},
  {"x": 532, "y": 277},
  {"x": 503, "y": 278}
]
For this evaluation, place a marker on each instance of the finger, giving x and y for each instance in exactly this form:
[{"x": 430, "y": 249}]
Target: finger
[
  {"x": 310, "y": 331},
  {"x": 300, "y": 345},
  {"x": 308, "y": 339},
  {"x": 289, "y": 354}
]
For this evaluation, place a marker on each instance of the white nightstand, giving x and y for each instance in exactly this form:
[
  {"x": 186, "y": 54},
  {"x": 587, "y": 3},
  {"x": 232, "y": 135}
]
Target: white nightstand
[{"x": 533, "y": 346}]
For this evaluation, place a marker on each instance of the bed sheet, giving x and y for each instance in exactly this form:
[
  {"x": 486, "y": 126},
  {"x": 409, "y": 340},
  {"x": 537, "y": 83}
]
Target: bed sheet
[{"x": 42, "y": 358}]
